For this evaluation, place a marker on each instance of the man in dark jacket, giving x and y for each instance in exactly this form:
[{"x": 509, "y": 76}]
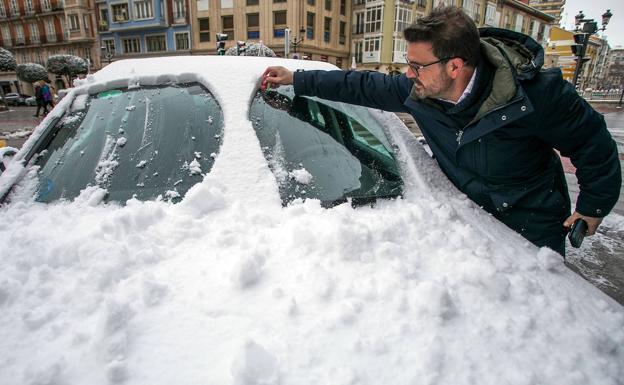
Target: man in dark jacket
[{"x": 492, "y": 118}]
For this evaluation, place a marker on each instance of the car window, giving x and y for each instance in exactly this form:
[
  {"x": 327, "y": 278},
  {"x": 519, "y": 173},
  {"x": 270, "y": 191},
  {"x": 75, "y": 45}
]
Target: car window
[
  {"x": 324, "y": 150},
  {"x": 142, "y": 142}
]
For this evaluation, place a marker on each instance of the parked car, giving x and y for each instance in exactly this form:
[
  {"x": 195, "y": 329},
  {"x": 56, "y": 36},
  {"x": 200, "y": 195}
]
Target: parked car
[
  {"x": 31, "y": 101},
  {"x": 15, "y": 98},
  {"x": 168, "y": 222}
]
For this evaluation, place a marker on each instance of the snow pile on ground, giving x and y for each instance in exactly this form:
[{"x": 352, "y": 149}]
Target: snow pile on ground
[{"x": 228, "y": 287}]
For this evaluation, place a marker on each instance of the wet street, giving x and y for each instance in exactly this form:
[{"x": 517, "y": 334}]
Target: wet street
[{"x": 600, "y": 259}]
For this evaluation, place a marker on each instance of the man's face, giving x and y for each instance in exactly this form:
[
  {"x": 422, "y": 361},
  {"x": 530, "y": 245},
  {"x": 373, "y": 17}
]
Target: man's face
[{"x": 432, "y": 81}]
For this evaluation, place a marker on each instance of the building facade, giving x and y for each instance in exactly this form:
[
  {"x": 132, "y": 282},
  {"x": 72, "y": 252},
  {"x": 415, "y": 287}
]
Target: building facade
[
  {"x": 140, "y": 28},
  {"x": 319, "y": 29},
  {"x": 553, "y": 8},
  {"x": 33, "y": 30},
  {"x": 377, "y": 38},
  {"x": 559, "y": 54},
  {"x": 614, "y": 78}
]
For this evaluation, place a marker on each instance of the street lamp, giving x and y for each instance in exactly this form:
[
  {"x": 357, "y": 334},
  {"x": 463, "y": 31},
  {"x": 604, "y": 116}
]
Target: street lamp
[
  {"x": 107, "y": 54},
  {"x": 581, "y": 38},
  {"x": 295, "y": 42}
]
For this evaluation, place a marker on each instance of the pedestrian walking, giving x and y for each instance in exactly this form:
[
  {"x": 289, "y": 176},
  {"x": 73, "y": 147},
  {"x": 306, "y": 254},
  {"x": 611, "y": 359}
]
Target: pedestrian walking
[
  {"x": 39, "y": 98},
  {"x": 492, "y": 117},
  {"x": 48, "y": 94}
]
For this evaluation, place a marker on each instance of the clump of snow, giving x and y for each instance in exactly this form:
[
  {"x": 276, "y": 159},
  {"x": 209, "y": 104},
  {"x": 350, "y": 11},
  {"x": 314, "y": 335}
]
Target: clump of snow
[
  {"x": 301, "y": 176},
  {"x": 197, "y": 154},
  {"x": 254, "y": 365},
  {"x": 130, "y": 108},
  {"x": 141, "y": 164},
  {"x": 247, "y": 271},
  {"x": 194, "y": 167},
  {"x": 122, "y": 141},
  {"x": 210, "y": 120}
]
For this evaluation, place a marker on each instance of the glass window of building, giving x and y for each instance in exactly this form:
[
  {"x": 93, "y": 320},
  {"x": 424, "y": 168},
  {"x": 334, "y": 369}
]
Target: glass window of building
[
  {"x": 182, "y": 41},
  {"x": 131, "y": 45},
  {"x": 156, "y": 43},
  {"x": 228, "y": 26},
  {"x": 204, "y": 30},
  {"x": 310, "y": 25},
  {"x": 253, "y": 26}
]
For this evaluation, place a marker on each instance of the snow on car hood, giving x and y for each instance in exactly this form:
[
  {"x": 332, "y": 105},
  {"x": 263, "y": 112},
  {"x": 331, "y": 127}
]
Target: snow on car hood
[{"x": 228, "y": 287}]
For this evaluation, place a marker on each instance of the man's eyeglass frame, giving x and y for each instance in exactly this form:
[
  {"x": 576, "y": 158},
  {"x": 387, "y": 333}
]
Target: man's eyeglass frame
[{"x": 417, "y": 67}]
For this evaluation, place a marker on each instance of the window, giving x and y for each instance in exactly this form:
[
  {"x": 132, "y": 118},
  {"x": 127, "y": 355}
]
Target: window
[
  {"x": 399, "y": 49},
  {"x": 328, "y": 4},
  {"x": 327, "y": 30},
  {"x": 279, "y": 1},
  {"x": 227, "y": 4},
  {"x": 50, "y": 30},
  {"x": 85, "y": 21},
  {"x": 34, "y": 32},
  {"x": 109, "y": 46},
  {"x": 310, "y": 26},
  {"x": 6, "y": 36},
  {"x": 339, "y": 62},
  {"x": 279, "y": 23},
  {"x": 202, "y": 5},
  {"x": 182, "y": 41},
  {"x": 358, "y": 23},
  {"x": 358, "y": 50},
  {"x": 120, "y": 12},
  {"x": 374, "y": 17},
  {"x": 253, "y": 26},
  {"x": 342, "y": 37},
  {"x": 311, "y": 2},
  {"x": 74, "y": 23},
  {"x": 519, "y": 23},
  {"x": 87, "y": 54},
  {"x": 150, "y": 163},
  {"x": 372, "y": 50},
  {"x": 131, "y": 45},
  {"x": 490, "y": 14},
  {"x": 228, "y": 26},
  {"x": 2, "y": 9},
  {"x": 403, "y": 18},
  {"x": 46, "y": 5},
  {"x": 143, "y": 9},
  {"x": 252, "y": 2},
  {"x": 204, "y": 30},
  {"x": 156, "y": 43},
  {"x": 29, "y": 6},
  {"x": 324, "y": 150},
  {"x": 14, "y": 8},
  {"x": 179, "y": 11},
  {"x": 343, "y": 7}
]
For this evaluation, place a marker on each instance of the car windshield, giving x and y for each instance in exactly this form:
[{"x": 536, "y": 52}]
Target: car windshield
[
  {"x": 140, "y": 142},
  {"x": 324, "y": 150}
]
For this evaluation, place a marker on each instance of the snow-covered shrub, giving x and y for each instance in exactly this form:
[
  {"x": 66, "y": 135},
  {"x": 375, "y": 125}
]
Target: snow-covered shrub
[
  {"x": 7, "y": 61},
  {"x": 31, "y": 72}
]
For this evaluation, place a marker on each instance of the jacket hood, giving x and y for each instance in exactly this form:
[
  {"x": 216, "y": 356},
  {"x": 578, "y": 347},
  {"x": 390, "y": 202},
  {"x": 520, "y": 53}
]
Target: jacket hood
[
  {"x": 515, "y": 57},
  {"x": 524, "y": 54}
]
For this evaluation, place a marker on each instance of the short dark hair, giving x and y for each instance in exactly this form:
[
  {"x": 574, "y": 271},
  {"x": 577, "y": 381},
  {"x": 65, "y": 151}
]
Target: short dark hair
[{"x": 451, "y": 33}]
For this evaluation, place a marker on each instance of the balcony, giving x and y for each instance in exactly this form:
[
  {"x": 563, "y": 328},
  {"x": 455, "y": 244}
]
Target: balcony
[
  {"x": 179, "y": 17},
  {"x": 51, "y": 38},
  {"x": 20, "y": 41},
  {"x": 121, "y": 18}
]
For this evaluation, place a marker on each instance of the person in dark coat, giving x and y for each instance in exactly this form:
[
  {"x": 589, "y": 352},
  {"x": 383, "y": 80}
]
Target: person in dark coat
[
  {"x": 39, "y": 98},
  {"x": 493, "y": 119}
]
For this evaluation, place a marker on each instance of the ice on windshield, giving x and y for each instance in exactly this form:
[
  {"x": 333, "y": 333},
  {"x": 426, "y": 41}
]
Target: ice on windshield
[
  {"x": 142, "y": 142},
  {"x": 324, "y": 150}
]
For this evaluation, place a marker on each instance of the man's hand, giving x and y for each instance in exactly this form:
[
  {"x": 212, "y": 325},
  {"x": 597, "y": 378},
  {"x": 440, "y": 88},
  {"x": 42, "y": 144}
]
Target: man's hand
[
  {"x": 275, "y": 76},
  {"x": 592, "y": 223}
]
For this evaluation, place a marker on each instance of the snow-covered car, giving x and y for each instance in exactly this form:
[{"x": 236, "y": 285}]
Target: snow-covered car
[
  {"x": 15, "y": 99},
  {"x": 169, "y": 223}
]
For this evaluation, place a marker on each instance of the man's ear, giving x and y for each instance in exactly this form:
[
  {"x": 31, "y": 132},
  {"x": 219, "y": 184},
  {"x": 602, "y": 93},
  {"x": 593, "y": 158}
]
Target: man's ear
[{"x": 454, "y": 67}]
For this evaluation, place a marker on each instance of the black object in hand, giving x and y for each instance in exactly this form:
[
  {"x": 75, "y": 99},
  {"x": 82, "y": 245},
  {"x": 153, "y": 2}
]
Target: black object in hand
[{"x": 577, "y": 233}]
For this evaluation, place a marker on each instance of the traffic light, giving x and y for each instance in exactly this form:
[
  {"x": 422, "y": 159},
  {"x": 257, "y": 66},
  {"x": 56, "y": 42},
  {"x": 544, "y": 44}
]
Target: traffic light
[
  {"x": 577, "y": 48},
  {"x": 221, "y": 38},
  {"x": 241, "y": 48}
]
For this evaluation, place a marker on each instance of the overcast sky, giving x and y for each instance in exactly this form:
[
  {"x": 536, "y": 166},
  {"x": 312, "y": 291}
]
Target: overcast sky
[{"x": 594, "y": 10}]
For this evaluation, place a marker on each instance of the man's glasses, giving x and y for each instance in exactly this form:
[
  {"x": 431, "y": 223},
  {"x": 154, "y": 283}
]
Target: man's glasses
[{"x": 417, "y": 67}]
